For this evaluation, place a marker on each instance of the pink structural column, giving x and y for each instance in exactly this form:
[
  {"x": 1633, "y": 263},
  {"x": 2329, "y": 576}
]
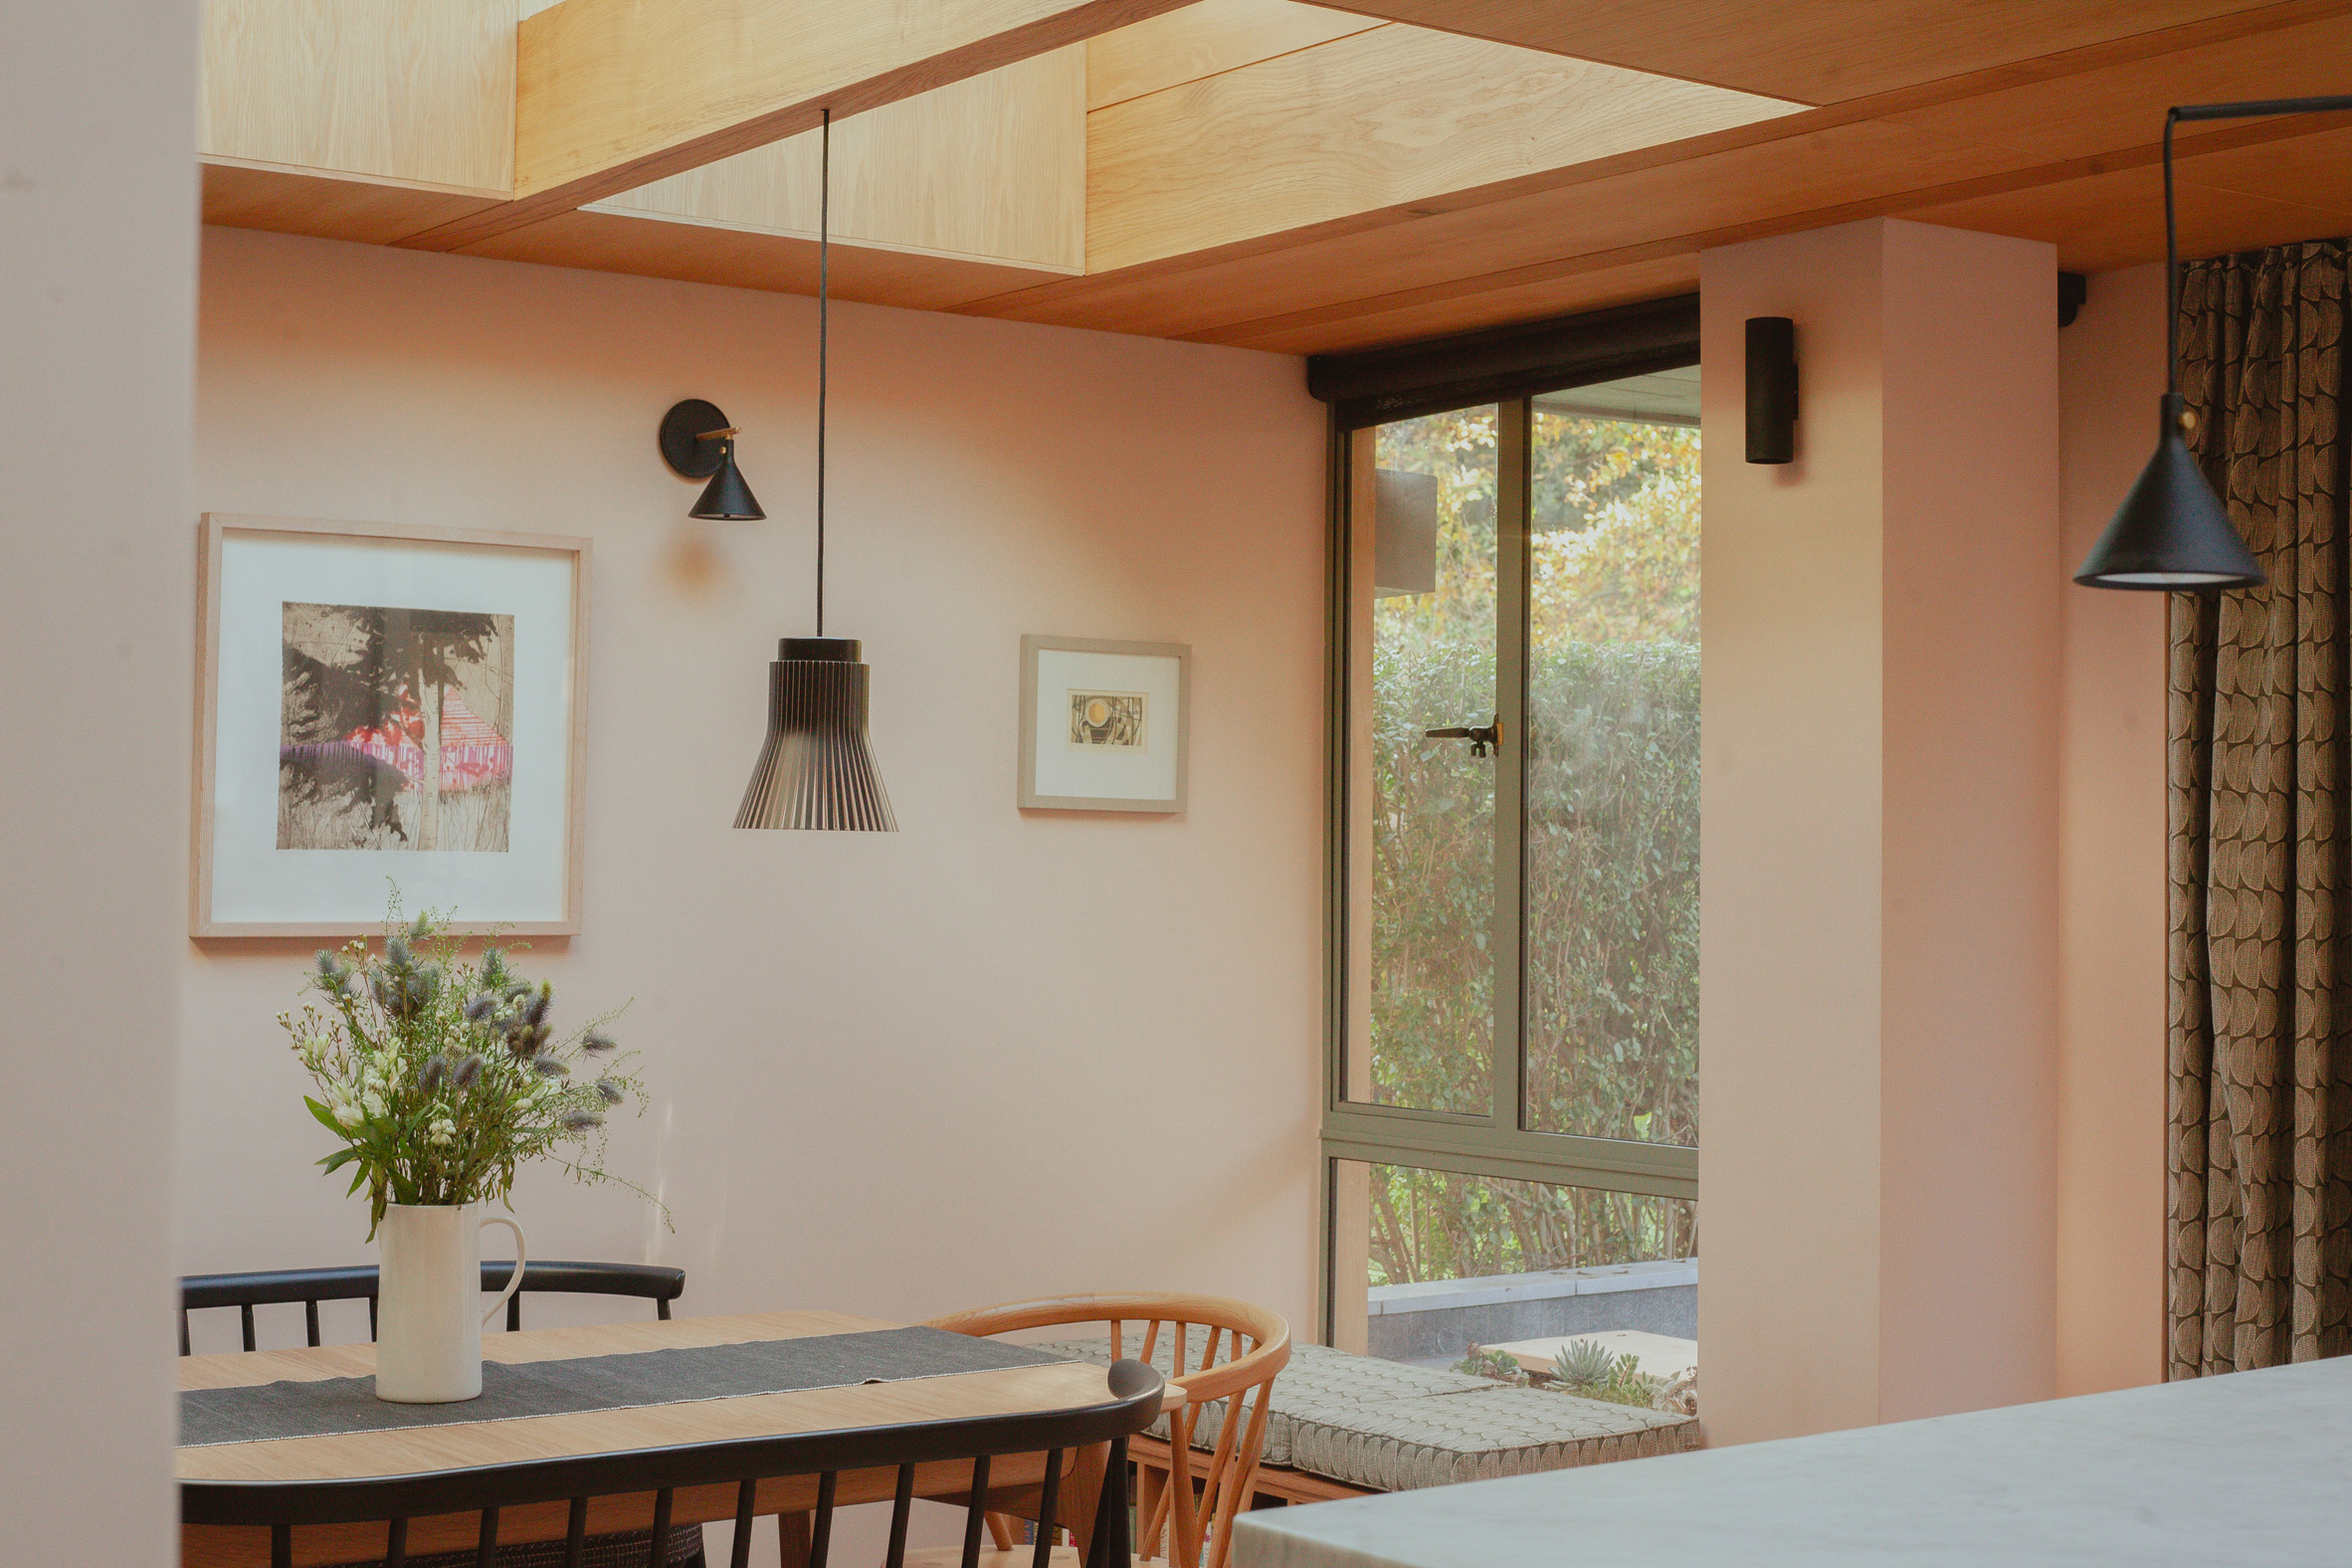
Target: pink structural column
[
  {"x": 1879, "y": 975},
  {"x": 2111, "y": 1065}
]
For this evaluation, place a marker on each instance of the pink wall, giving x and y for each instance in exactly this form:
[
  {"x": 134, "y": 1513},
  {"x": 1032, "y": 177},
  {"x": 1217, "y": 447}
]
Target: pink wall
[
  {"x": 1880, "y": 913},
  {"x": 2111, "y": 1071},
  {"x": 97, "y": 212},
  {"x": 992, "y": 1056}
]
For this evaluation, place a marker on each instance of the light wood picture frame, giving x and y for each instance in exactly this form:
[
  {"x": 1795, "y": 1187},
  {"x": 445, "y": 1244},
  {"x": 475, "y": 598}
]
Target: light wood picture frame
[
  {"x": 1104, "y": 725},
  {"x": 335, "y": 662}
]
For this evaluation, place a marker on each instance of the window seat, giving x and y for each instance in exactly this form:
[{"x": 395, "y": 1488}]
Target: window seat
[{"x": 1360, "y": 1425}]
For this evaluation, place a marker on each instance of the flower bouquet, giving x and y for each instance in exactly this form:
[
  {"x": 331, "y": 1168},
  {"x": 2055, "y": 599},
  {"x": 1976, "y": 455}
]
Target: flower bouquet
[{"x": 441, "y": 1079}]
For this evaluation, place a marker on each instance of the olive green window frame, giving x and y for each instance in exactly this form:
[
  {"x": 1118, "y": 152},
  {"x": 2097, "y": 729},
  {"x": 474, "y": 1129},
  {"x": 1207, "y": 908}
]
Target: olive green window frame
[{"x": 1497, "y": 1143}]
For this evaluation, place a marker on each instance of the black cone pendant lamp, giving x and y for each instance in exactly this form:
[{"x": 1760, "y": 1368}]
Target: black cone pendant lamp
[
  {"x": 2172, "y": 533},
  {"x": 816, "y": 769}
]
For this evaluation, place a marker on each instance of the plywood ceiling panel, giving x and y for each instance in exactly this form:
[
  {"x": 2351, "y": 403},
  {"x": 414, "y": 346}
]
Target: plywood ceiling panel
[
  {"x": 1378, "y": 119},
  {"x": 654, "y": 247},
  {"x": 2270, "y": 194},
  {"x": 290, "y": 201},
  {"x": 1811, "y": 51},
  {"x": 992, "y": 168}
]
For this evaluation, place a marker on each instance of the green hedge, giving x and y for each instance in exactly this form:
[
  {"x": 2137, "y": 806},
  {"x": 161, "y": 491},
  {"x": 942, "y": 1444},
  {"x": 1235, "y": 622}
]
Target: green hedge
[{"x": 1612, "y": 932}]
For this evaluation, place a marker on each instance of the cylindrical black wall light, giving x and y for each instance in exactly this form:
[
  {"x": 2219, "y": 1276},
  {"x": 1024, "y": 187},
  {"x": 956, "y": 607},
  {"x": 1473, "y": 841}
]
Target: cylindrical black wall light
[{"x": 1772, "y": 389}]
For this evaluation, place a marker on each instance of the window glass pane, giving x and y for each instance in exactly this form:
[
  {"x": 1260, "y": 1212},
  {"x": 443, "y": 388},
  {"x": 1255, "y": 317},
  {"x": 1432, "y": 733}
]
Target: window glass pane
[
  {"x": 1611, "y": 943},
  {"x": 1454, "y": 1263},
  {"x": 1432, "y": 904}
]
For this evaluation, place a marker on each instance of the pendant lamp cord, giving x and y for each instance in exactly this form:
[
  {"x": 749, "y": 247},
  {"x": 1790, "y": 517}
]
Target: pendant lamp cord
[
  {"x": 824, "y": 280},
  {"x": 2172, "y": 272}
]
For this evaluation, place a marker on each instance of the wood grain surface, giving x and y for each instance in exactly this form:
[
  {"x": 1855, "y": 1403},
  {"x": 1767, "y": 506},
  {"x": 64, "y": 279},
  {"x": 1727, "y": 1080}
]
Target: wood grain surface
[{"x": 1008, "y": 1391}]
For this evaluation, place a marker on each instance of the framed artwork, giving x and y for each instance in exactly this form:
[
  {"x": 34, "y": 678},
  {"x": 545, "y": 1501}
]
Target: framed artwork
[
  {"x": 384, "y": 706},
  {"x": 1104, "y": 726}
]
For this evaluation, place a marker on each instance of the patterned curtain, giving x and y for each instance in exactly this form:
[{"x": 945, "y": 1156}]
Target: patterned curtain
[{"x": 2260, "y": 1103}]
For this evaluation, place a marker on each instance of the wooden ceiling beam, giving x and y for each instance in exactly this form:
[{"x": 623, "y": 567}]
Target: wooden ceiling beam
[{"x": 612, "y": 95}]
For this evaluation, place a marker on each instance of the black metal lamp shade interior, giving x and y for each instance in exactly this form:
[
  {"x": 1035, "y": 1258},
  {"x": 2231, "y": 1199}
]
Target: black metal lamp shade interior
[
  {"x": 816, "y": 769},
  {"x": 2171, "y": 532},
  {"x": 726, "y": 499}
]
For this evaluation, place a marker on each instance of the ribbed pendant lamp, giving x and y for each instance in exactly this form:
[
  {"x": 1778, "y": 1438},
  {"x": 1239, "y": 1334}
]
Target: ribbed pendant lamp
[
  {"x": 2172, "y": 533},
  {"x": 817, "y": 769}
]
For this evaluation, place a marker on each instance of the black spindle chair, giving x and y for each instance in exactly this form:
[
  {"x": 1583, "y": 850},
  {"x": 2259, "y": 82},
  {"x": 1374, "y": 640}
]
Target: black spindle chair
[
  {"x": 283, "y": 1286},
  {"x": 765, "y": 1475}
]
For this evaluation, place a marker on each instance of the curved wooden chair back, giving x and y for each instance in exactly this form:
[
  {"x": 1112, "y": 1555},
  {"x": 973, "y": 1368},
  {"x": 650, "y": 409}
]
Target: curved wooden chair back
[{"x": 1233, "y": 1372}]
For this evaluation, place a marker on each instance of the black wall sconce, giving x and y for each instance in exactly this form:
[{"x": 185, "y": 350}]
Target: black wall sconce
[
  {"x": 1772, "y": 389},
  {"x": 698, "y": 444}
]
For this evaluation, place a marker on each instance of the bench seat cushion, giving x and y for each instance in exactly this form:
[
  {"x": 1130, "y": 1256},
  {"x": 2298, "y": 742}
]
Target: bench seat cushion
[
  {"x": 1438, "y": 1439},
  {"x": 1393, "y": 1427}
]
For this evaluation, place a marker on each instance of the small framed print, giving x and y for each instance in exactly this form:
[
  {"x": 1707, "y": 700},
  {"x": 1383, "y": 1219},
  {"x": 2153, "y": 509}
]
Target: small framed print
[
  {"x": 387, "y": 706},
  {"x": 1104, "y": 726}
]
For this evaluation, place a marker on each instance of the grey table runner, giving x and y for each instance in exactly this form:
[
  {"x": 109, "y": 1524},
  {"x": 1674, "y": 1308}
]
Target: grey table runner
[{"x": 616, "y": 1382}]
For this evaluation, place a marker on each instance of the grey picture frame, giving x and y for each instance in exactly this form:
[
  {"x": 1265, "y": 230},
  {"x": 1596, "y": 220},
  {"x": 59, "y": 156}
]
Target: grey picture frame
[{"x": 1030, "y": 796}]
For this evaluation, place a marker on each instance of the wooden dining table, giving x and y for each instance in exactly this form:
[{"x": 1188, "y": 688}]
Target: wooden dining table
[{"x": 1003, "y": 1391}]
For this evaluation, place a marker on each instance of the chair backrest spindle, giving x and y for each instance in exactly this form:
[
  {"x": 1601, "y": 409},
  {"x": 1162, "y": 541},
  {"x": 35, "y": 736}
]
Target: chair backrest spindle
[{"x": 746, "y": 1494}]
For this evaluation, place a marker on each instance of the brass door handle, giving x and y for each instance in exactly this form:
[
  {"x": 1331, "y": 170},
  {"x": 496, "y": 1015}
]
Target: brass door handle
[{"x": 1482, "y": 737}]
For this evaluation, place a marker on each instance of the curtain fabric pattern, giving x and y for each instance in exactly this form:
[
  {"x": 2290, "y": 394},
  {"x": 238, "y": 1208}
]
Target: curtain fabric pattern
[{"x": 2260, "y": 967}]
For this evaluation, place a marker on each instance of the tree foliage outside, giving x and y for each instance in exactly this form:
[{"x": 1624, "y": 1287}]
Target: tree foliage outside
[{"x": 1611, "y": 865}]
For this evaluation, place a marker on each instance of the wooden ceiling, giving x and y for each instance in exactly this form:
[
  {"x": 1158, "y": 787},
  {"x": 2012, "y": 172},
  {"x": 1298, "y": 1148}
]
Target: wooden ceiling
[{"x": 1284, "y": 176}]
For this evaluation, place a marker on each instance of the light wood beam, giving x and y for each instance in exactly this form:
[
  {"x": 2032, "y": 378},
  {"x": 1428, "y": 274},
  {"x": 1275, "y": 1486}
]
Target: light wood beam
[
  {"x": 1810, "y": 51},
  {"x": 611, "y": 94},
  {"x": 1203, "y": 39},
  {"x": 413, "y": 93}
]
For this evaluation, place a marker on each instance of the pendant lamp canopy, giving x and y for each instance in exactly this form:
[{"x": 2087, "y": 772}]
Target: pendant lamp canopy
[
  {"x": 816, "y": 769},
  {"x": 2172, "y": 531}
]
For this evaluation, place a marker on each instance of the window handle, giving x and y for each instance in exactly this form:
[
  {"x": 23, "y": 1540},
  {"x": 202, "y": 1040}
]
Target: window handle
[{"x": 1481, "y": 736}]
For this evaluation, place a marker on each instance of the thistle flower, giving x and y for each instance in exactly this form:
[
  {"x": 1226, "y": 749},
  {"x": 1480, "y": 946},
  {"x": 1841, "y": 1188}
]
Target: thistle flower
[
  {"x": 396, "y": 954},
  {"x": 481, "y": 1009},
  {"x": 611, "y": 1091},
  {"x": 548, "y": 1066},
  {"x": 469, "y": 1072},
  {"x": 579, "y": 1120},
  {"x": 430, "y": 1076},
  {"x": 596, "y": 1043},
  {"x": 536, "y": 1013}
]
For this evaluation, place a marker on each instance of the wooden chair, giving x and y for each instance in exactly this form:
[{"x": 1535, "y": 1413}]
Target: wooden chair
[{"x": 1223, "y": 1355}]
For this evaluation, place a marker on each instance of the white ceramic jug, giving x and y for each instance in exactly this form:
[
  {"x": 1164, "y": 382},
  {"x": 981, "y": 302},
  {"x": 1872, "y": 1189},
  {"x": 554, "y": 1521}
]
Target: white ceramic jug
[{"x": 427, "y": 1316}]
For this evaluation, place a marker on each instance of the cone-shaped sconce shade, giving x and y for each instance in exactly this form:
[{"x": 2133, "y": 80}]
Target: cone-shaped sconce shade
[
  {"x": 2171, "y": 532},
  {"x": 816, "y": 770},
  {"x": 726, "y": 499}
]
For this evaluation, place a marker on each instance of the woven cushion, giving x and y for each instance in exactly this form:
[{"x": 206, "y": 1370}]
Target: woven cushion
[
  {"x": 1393, "y": 1427},
  {"x": 1438, "y": 1439}
]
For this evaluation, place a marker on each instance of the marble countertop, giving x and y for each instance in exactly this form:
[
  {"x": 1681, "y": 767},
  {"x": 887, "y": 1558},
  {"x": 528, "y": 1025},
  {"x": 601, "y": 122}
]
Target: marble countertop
[{"x": 2253, "y": 1468}]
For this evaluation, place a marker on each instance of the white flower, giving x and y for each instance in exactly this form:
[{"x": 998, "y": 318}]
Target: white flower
[
  {"x": 441, "y": 1132},
  {"x": 372, "y": 1104},
  {"x": 345, "y": 1113}
]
